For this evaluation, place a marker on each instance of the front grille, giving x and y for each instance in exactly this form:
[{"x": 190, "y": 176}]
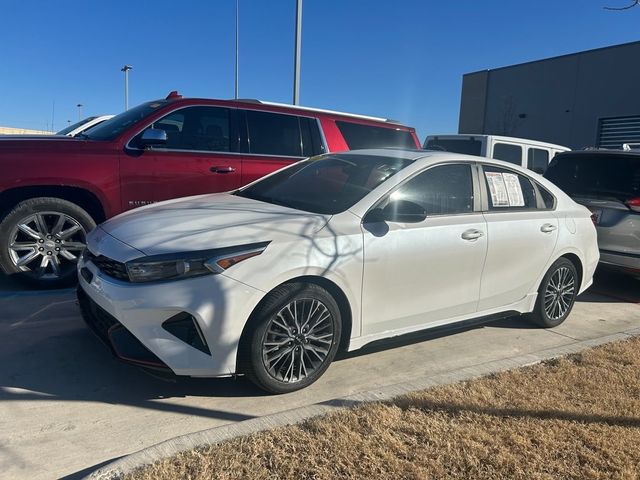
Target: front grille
[{"x": 109, "y": 267}]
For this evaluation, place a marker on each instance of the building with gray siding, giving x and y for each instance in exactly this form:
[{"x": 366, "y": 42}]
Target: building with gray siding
[{"x": 579, "y": 100}]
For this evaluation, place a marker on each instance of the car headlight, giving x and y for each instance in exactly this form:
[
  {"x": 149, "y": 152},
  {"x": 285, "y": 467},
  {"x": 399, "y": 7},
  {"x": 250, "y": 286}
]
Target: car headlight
[{"x": 190, "y": 264}]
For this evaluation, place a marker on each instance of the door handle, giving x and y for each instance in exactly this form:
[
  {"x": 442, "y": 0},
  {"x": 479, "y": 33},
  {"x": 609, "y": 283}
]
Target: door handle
[
  {"x": 548, "y": 228},
  {"x": 472, "y": 234},
  {"x": 222, "y": 169}
]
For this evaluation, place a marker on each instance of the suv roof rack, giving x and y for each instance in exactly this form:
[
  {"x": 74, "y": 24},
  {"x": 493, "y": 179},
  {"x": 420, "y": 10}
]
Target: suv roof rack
[{"x": 320, "y": 110}]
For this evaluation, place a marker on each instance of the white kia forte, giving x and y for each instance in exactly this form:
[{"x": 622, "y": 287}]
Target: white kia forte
[{"x": 333, "y": 252}]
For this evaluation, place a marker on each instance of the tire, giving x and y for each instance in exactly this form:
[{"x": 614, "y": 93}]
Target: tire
[
  {"x": 41, "y": 240},
  {"x": 556, "y": 295},
  {"x": 301, "y": 358}
]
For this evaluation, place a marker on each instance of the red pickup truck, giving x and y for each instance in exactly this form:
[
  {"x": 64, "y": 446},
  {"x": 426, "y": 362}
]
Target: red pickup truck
[{"x": 53, "y": 190}]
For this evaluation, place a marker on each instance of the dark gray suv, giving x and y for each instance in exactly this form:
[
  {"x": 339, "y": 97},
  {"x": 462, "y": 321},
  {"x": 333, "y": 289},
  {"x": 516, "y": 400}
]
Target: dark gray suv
[{"x": 608, "y": 183}]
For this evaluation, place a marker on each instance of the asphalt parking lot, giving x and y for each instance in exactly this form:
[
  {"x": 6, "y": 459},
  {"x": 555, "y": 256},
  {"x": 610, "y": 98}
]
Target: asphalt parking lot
[{"x": 67, "y": 406}]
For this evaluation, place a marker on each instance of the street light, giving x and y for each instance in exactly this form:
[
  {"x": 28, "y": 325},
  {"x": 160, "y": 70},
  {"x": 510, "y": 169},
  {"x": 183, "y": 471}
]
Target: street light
[
  {"x": 235, "y": 90},
  {"x": 126, "y": 69},
  {"x": 296, "y": 57},
  {"x": 79, "y": 111}
]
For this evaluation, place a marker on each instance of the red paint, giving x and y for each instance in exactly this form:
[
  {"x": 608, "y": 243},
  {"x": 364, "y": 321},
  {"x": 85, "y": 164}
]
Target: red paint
[{"x": 117, "y": 176}]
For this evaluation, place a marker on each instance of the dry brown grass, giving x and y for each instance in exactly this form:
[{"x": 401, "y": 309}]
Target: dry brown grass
[{"x": 576, "y": 417}]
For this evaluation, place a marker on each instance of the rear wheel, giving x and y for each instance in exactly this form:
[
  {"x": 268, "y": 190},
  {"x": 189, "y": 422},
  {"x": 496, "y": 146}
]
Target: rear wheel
[
  {"x": 41, "y": 240},
  {"x": 294, "y": 337},
  {"x": 556, "y": 295}
]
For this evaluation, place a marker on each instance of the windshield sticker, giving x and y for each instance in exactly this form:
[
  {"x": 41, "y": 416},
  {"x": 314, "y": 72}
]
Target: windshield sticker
[
  {"x": 498, "y": 189},
  {"x": 514, "y": 190}
]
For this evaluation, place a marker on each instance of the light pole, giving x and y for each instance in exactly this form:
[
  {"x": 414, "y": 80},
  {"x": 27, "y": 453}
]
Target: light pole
[
  {"x": 235, "y": 89},
  {"x": 126, "y": 69},
  {"x": 79, "y": 111},
  {"x": 296, "y": 58}
]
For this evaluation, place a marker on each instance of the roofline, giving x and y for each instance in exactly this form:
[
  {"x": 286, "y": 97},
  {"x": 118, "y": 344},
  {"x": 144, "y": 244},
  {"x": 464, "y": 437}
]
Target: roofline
[
  {"x": 500, "y": 137},
  {"x": 319, "y": 110},
  {"x": 637, "y": 42}
]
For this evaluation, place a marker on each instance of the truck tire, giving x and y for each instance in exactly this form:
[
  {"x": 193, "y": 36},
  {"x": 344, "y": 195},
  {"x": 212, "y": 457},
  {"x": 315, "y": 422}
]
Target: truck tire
[{"x": 41, "y": 240}]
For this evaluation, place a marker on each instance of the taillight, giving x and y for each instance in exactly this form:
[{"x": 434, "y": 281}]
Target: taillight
[
  {"x": 634, "y": 204},
  {"x": 594, "y": 218}
]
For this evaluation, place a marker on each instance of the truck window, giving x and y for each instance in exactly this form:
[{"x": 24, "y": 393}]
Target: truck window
[
  {"x": 508, "y": 153},
  {"x": 466, "y": 146},
  {"x": 274, "y": 134},
  {"x": 360, "y": 136},
  {"x": 538, "y": 160}
]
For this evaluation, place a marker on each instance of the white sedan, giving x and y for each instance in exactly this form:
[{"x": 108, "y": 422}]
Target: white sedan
[{"x": 333, "y": 252}]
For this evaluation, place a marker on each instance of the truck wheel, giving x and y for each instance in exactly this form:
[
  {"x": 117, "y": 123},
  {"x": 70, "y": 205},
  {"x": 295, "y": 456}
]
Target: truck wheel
[{"x": 41, "y": 240}]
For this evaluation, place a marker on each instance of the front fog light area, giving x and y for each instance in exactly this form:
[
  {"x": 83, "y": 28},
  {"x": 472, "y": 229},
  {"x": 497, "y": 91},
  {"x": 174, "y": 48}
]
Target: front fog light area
[{"x": 185, "y": 327}]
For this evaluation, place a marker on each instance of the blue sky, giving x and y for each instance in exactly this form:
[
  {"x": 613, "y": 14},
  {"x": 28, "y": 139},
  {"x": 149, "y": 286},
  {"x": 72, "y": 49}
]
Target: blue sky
[{"x": 399, "y": 59}]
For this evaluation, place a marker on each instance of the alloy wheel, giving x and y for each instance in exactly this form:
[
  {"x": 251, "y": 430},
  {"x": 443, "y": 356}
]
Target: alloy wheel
[
  {"x": 298, "y": 340},
  {"x": 46, "y": 245},
  {"x": 558, "y": 296}
]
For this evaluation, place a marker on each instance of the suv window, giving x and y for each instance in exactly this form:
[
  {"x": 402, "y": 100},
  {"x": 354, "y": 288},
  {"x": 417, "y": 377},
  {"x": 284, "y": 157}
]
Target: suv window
[
  {"x": 537, "y": 160},
  {"x": 360, "y": 136},
  {"x": 466, "y": 146},
  {"x": 441, "y": 190},
  {"x": 602, "y": 175},
  {"x": 197, "y": 128},
  {"x": 110, "y": 129},
  {"x": 274, "y": 134},
  {"x": 508, "y": 190},
  {"x": 508, "y": 153}
]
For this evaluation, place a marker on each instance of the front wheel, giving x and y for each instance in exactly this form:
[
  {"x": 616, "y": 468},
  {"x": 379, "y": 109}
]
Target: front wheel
[
  {"x": 293, "y": 338},
  {"x": 556, "y": 295},
  {"x": 41, "y": 240}
]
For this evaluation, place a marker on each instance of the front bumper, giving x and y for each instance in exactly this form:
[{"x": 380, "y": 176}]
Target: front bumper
[{"x": 129, "y": 318}]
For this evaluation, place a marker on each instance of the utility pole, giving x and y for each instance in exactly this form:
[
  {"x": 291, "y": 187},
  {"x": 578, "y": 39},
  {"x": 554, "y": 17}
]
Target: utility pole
[
  {"x": 126, "y": 69},
  {"x": 296, "y": 58},
  {"x": 235, "y": 90},
  {"x": 79, "y": 111}
]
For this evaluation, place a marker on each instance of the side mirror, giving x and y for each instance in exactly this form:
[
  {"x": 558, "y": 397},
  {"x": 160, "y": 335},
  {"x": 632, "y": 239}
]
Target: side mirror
[
  {"x": 402, "y": 211},
  {"x": 153, "y": 137}
]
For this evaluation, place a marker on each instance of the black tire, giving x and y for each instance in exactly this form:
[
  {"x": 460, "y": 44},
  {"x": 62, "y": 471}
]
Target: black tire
[
  {"x": 49, "y": 211},
  {"x": 554, "y": 304},
  {"x": 259, "y": 361}
]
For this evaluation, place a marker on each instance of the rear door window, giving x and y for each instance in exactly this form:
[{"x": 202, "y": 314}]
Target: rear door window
[
  {"x": 358, "y": 136},
  {"x": 508, "y": 190},
  {"x": 538, "y": 160},
  {"x": 274, "y": 134},
  {"x": 508, "y": 153}
]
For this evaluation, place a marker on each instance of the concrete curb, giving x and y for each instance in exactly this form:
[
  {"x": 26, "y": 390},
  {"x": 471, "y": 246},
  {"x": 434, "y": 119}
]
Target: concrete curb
[{"x": 118, "y": 468}]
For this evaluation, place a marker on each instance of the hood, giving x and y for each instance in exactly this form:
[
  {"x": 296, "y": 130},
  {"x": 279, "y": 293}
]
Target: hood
[{"x": 209, "y": 221}]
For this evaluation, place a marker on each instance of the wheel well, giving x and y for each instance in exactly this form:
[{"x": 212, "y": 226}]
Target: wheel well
[
  {"x": 573, "y": 258},
  {"x": 328, "y": 285},
  {"x": 81, "y": 197}
]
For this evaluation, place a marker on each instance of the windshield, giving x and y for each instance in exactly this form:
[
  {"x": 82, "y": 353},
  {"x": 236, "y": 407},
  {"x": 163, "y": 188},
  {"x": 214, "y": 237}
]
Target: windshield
[
  {"x": 111, "y": 128},
  {"x": 326, "y": 185},
  {"x": 616, "y": 176},
  {"x": 72, "y": 127}
]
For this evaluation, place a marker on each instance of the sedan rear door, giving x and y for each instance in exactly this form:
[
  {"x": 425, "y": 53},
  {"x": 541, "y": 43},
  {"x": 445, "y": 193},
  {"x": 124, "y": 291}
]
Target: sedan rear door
[{"x": 522, "y": 228}]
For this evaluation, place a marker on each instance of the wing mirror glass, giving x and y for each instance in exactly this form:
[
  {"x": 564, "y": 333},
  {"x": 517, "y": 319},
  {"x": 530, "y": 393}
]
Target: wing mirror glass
[
  {"x": 153, "y": 137},
  {"x": 402, "y": 211}
]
